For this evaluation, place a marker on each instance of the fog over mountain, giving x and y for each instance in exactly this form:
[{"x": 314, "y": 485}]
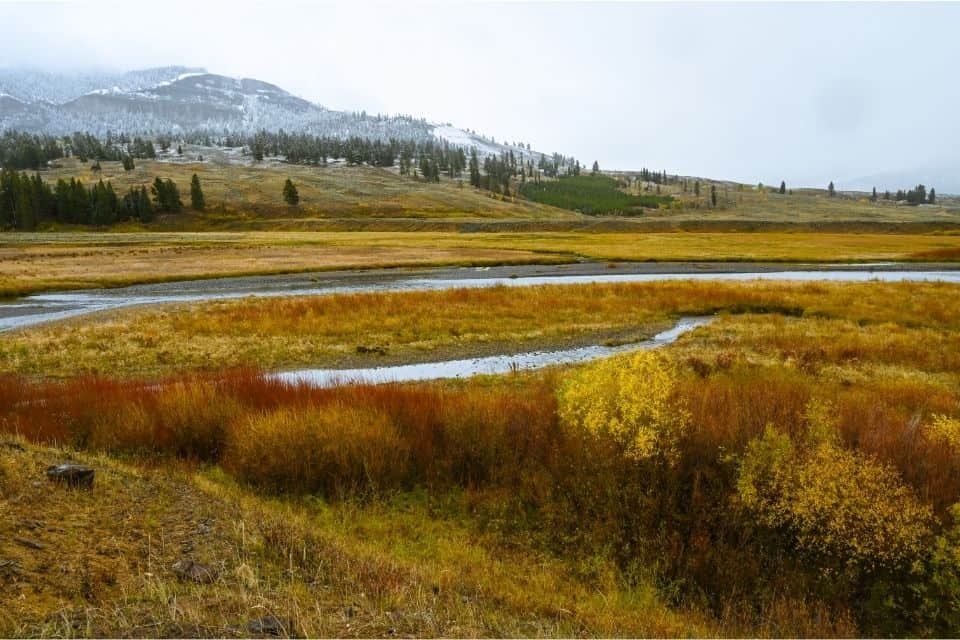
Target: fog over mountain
[
  {"x": 191, "y": 100},
  {"x": 754, "y": 92}
]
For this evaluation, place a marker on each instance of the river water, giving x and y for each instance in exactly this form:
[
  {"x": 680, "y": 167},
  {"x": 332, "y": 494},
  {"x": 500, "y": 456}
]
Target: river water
[
  {"x": 48, "y": 307},
  {"x": 37, "y": 309},
  {"x": 482, "y": 366}
]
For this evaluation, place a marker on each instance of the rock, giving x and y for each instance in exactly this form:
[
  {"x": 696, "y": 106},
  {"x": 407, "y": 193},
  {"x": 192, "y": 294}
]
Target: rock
[
  {"x": 33, "y": 544},
  {"x": 77, "y": 476},
  {"x": 9, "y": 568},
  {"x": 187, "y": 569},
  {"x": 271, "y": 626},
  {"x": 380, "y": 351}
]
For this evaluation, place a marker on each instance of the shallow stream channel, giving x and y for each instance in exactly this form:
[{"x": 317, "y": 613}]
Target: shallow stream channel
[{"x": 48, "y": 307}]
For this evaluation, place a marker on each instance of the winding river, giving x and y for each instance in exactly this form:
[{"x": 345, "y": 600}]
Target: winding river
[
  {"x": 48, "y": 307},
  {"x": 483, "y": 366}
]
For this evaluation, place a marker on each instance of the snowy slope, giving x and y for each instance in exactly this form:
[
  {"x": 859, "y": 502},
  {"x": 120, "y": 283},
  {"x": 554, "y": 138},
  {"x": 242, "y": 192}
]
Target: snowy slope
[
  {"x": 172, "y": 99},
  {"x": 463, "y": 138}
]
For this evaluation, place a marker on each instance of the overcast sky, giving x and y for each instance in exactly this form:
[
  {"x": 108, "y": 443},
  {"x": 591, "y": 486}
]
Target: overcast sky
[{"x": 805, "y": 92}]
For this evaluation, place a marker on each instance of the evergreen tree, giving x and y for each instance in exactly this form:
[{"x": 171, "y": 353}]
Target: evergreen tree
[
  {"x": 166, "y": 195},
  {"x": 144, "y": 206},
  {"x": 196, "y": 194},
  {"x": 831, "y": 191},
  {"x": 932, "y": 199},
  {"x": 290, "y": 194},
  {"x": 874, "y": 195},
  {"x": 128, "y": 163},
  {"x": 474, "y": 168},
  {"x": 783, "y": 187},
  {"x": 713, "y": 195},
  {"x": 917, "y": 195},
  {"x": 596, "y": 168}
]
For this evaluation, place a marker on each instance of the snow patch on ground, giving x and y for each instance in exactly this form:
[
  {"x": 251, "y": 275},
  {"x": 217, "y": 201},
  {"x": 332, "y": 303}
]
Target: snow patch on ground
[
  {"x": 167, "y": 83},
  {"x": 462, "y": 138}
]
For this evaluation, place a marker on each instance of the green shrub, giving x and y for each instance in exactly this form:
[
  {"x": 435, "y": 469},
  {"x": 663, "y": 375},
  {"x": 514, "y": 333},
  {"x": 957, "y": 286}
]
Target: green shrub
[{"x": 593, "y": 195}]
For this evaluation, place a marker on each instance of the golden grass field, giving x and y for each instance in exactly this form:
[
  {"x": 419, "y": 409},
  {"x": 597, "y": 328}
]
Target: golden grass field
[
  {"x": 76, "y": 262},
  {"x": 325, "y": 331},
  {"x": 45, "y": 261}
]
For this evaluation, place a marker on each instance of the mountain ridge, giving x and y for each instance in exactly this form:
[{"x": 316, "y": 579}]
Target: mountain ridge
[{"x": 176, "y": 99}]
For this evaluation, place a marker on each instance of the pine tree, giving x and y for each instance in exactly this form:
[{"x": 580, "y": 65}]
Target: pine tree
[
  {"x": 166, "y": 195},
  {"x": 196, "y": 194},
  {"x": 128, "y": 163},
  {"x": 874, "y": 195},
  {"x": 290, "y": 194},
  {"x": 783, "y": 187},
  {"x": 932, "y": 199},
  {"x": 831, "y": 191},
  {"x": 713, "y": 195},
  {"x": 144, "y": 206},
  {"x": 596, "y": 168},
  {"x": 474, "y": 168}
]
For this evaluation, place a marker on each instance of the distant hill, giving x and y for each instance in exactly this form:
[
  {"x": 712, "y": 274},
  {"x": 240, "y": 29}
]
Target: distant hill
[{"x": 175, "y": 99}]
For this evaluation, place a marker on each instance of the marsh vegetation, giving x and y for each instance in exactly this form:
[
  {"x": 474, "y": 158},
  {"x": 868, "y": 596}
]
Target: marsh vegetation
[{"x": 789, "y": 469}]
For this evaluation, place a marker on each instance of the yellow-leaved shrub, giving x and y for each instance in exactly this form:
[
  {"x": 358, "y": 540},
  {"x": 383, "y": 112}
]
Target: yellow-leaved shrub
[
  {"x": 335, "y": 450},
  {"x": 946, "y": 430},
  {"x": 630, "y": 399},
  {"x": 841, "y": 505}
]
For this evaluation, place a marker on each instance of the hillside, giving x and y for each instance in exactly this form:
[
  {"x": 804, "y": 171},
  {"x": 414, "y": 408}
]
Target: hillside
[
  {"x": 243, "y": 194},
  {"x": 190, "y": 99}
]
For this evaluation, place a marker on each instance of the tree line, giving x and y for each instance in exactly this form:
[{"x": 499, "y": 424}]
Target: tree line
[
  {"x": 29, "y": 151},
  {"x": 27, "y": 201},
  {"x": 916, "y": 196}
]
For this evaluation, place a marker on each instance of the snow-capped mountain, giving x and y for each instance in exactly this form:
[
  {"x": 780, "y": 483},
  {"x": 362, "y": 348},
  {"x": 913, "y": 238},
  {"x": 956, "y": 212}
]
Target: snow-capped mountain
[
  {"x": 172, "y": 99},
  {"x": 30, "y": 86}
]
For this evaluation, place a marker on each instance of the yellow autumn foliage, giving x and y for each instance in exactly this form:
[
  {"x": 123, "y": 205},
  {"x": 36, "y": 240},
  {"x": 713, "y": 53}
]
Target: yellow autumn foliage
[
  {"x": 946, "y": 430},
  {"x": 629, "y": 399},
  {"x": 835, "y": 502}
]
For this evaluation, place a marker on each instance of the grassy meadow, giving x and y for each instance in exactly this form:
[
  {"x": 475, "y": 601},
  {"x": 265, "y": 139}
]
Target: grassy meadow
[
  {"x": 371, "y": 329},
  {"x": 790, "y": 469},
  {"x": 32, "y": 262}
]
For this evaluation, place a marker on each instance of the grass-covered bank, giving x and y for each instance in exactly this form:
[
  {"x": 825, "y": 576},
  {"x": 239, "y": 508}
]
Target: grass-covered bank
[
  {"x": 371, "y": 329},
  {"x": 403, "y": 566},
  {"x": 34, "y": 262}
]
